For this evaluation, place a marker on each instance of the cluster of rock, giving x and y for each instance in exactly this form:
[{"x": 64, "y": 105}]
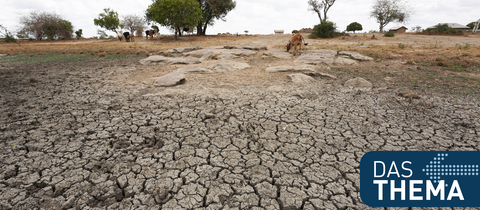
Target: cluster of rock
[{"x": 303, "y": 73}]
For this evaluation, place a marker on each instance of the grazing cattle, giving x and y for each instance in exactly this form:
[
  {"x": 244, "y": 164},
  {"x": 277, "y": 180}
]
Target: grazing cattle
[
  {"x": 151, "y": 33},
  {"x": 127, "y": 36},
  {"x": 146, "y": 33},
  {"x": 120, "y": 36},
  {"x": 132, "y": 37},
  {"x": 296, "y": 40},
  {"x": 156, "y": 35}
]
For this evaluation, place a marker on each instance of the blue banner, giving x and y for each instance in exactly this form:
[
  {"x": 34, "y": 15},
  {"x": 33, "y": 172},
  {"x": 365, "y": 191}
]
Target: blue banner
[{"x": 420, "y": 179}]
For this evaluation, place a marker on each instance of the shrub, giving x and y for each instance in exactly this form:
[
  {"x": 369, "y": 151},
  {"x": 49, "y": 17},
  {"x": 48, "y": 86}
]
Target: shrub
[
  {"x": 9, "y": 38},
  {"x": 295, "y": 32},
  {"x": 389, "y": 34},
  {"x": 442, "y": 29},
  {"x": 324, "y": 30},
  {"x": 354, "y": 27}
]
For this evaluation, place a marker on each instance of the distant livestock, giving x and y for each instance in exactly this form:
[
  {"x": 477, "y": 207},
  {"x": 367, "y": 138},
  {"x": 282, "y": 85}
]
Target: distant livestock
[
  {"x": 296, "y": 40},
  {"x": 156, "y": 35},
  {"x": 120, "y": 36},
  {"x": 149, "y": 33},
  {"x": 127, "y": 36}
]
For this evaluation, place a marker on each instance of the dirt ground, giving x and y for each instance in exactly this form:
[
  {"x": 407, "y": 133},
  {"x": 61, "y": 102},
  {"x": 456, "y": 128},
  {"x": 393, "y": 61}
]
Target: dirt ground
[{"x": 83, "y": 131}]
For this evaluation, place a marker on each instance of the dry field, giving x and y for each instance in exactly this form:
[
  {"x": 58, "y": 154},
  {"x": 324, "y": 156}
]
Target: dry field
[{"x": 420, "y": 63}]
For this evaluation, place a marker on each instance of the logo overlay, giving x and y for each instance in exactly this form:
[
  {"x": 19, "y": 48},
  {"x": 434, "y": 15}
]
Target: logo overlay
[{"x": 420, "y": 179}]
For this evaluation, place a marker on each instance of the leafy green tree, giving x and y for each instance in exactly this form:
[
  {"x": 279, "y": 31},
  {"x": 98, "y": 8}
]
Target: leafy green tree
[
  {"x": 175, "y": 14},
  {"x": 102, "y": 34},
  {"x": 354, "y": 27},
  {"x": 326, "y": 29},
  {"x": 471, "y": 25},
  {"x": 387, "y": 11},
  {"x": 213, "y": 10},
  {"x": 79, "y": 33},
  {"x": 108, "y": 20}
]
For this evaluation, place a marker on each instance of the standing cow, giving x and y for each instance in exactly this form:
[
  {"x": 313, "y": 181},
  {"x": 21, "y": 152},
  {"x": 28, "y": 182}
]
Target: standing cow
[
  {"x": 127, "y": 36},
  {"x": 296, "y": 40}
]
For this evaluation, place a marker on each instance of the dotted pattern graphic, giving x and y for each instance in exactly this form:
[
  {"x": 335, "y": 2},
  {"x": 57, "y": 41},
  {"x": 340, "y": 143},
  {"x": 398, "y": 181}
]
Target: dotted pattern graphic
[{"x": 435, "y": 170}]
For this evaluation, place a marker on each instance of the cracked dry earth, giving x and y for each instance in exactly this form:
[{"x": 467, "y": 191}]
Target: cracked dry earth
[{"x": 73, "y": 139}]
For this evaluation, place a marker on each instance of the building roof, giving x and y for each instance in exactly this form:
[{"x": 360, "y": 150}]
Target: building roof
[
  {"x": 453, "y": 25},
  {"x": 396, "y": 28}
]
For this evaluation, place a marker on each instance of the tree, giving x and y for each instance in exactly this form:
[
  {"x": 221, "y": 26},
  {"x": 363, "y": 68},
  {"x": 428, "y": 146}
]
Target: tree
[
  {"x": 45, "y": 25},
  {"x": 102, "y": 34},
  {"x": 7, "y": 34},
  {"x": 324, "y": 30},
  {"x": 175, "y": 14},
  {"x": 133, "y": 23},
  {"x": 471, "y": 25},
  {"x": 320, "y": 6},
  {"x": 387, "y": 11},
  {"x": 79, "y": 33},
  {"x": 213, "y": 10},
  {"x": 108, "y": 20},
  {"x": 354, "y": 27}
]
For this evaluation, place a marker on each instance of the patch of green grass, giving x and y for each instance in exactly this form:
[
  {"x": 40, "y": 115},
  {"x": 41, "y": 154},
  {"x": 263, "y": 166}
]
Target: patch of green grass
[
  {"x": 44, "y": 58},
  {"x": 455, "y": 68}
]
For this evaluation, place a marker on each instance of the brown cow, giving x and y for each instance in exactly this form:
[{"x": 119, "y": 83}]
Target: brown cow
[
  {"x": 296, "y": 40},
  {"x": 150, "y": 33}
]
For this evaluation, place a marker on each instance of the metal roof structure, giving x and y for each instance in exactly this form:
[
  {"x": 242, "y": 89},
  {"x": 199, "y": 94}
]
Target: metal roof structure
[{"x": 453, "y": 25}]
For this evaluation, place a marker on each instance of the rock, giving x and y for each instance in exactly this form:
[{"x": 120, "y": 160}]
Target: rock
[
  {"x": 356, "y": 56},
  {"x": 194, "y": 69},
  {"x": 231, "y": 47},
  {"x": 206, "y": 56},
  {"x": 172, "y": 79},
  {"x": 254, "y": 47},
  {"x": 185, "y": 61},
  {"x": 216, "y": 52},
  {"x": 290, "y": 68},
  {"x": 224, "y": 56},
  {"x": 300, "y": 78},
  {"x": 248, "y": 47},
  {"x": 344, "y": 61},
  {"x": 278, "y": 54},
  {"x": 359, "y": 84},
  {"x": 184, "y": 49},
  {"x": 169, "y": 60},
  {"x": 228, "y": 65},
  {"x": 319, "y": 74},
  {"x": 317, "y": 57}
]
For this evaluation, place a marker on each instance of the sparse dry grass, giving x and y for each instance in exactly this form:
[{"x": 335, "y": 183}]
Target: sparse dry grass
[{"x": 410, "y": 62}]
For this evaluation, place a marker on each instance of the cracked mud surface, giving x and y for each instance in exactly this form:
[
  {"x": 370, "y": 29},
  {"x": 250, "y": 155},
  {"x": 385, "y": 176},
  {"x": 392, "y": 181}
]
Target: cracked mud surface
[{"x": 73, "y": 138}]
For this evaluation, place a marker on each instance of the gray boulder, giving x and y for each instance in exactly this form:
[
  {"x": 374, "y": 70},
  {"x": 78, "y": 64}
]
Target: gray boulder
[
  {"x": 301, "y": 68},
  {"x": 356, "y": 56},
  {"x": 359, "y": 84},
  {"x": 172, "y": 79},
  {"x": 317, "y": 57},
  {"x": 300, "y": 78},
  {"x": 184, "y": 49},
  {"x": 194, "y": 69},
  {"x": 167, "y": 60},
  {"x": 228, "y": 65},
  {"x": 278, "y": 54},
  {"x": 344, "y": 61}
]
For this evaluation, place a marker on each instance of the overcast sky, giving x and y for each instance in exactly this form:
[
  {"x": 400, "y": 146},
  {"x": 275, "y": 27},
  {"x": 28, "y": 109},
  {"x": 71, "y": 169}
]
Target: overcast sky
[{"x": 256, "y": 16}]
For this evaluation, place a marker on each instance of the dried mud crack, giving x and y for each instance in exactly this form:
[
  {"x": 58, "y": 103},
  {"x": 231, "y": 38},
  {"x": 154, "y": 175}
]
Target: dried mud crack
[{"x": 77, "y": 138}]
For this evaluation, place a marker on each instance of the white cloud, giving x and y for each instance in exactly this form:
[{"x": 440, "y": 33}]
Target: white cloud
[{"x": 256, "y": 16}]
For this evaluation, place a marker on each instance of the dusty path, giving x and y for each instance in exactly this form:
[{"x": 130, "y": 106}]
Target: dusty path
[{"x": 89, "y": 137}]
